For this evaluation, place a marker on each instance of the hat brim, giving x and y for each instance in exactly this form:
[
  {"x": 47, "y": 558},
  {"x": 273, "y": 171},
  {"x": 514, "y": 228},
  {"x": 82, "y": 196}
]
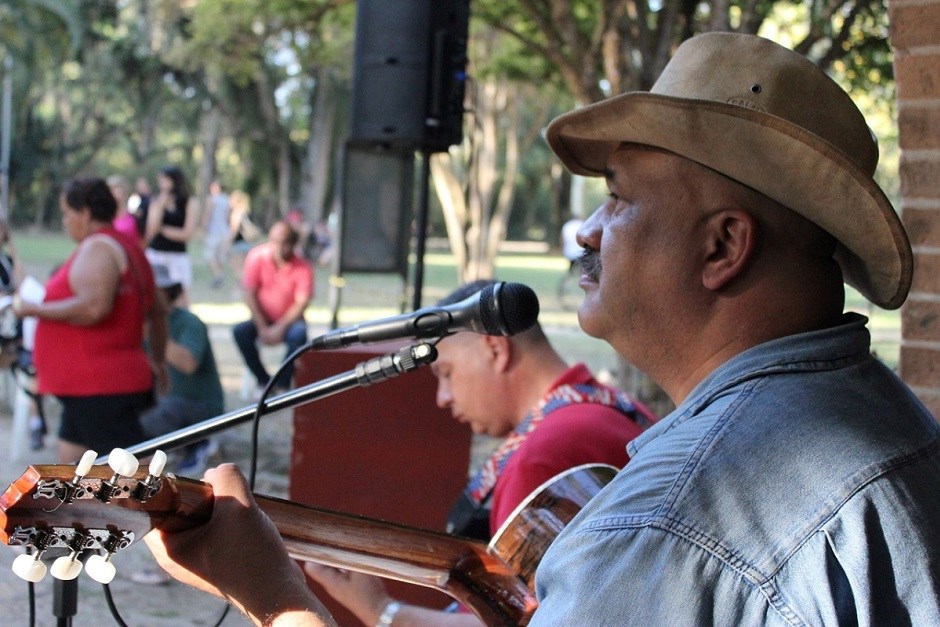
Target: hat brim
[{"x": 758, "y": 150}]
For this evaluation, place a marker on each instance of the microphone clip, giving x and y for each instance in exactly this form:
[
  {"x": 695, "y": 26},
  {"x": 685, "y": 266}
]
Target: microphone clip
[{"x": 393, "y": 364}]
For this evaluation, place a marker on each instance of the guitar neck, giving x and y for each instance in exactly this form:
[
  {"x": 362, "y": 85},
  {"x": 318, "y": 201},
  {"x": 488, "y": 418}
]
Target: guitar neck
[
  {"x": 463, "y": 569},
  {"x": 498, "y": 589}
]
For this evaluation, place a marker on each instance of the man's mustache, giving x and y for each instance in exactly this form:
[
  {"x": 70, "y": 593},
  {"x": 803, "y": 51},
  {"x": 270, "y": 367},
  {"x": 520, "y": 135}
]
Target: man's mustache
[{"x": 590, "y": 261}]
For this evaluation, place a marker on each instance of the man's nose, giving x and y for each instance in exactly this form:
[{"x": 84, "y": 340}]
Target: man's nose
[{"x": 443, "y": 397}]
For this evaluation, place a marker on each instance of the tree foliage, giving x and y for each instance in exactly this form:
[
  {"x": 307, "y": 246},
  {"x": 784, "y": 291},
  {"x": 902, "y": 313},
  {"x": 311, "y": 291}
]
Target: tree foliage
[
  {"x": 126, "y": 87},
  {"x": 601, "y": 47},
  {"x": 580, "y": 51},
  {"x": 264, "y": 64},
  {"x": 255, "y": 91}
]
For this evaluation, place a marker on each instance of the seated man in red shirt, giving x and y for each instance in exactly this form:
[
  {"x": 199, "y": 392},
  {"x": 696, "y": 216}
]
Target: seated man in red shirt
[
  {"x": 552, "y": 417},
  {"x": 278, "y": 286}
]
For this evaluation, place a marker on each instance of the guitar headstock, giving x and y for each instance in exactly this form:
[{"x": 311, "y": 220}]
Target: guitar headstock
[{"x": 89, "y": 508}]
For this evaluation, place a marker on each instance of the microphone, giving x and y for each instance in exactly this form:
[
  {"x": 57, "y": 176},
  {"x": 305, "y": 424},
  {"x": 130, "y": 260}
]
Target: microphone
[{"x": 498, "y": 309}]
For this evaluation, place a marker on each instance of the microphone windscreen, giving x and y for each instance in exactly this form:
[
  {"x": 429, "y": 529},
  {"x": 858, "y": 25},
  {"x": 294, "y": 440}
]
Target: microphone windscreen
[{"x": 508, "y": 308}]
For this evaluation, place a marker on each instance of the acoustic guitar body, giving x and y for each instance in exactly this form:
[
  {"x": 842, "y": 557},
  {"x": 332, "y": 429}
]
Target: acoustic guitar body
[{"x": 535, "y": 523}]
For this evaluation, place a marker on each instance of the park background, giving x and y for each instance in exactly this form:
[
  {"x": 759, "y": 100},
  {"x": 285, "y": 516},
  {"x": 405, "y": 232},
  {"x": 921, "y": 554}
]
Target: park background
[
  {"x": 258, "y": 94},
  {"x": 262, "y": 96}
]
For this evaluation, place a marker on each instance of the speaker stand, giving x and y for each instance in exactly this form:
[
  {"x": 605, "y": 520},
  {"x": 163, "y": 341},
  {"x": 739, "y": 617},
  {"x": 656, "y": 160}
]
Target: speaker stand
[{"x": 421, "y": 228}]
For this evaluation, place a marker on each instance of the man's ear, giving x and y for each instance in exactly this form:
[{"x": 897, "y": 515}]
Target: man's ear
[
  {"x": 499, "y": 351},
  {"x": 730, "y": 245}
]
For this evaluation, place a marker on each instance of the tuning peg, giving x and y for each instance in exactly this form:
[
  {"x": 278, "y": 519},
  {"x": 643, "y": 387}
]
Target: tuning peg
[
  {"x": 157, "y": 464},
  {"x": 66, "y": 492},
  {"x": 85, "y": 464},
  {"x": 100, "y": 568},
  {"x": 151, "y": 484},
  {"x": 29, "y": 567},
  {"x": 123, "y": 463},
  {"x": 82, "y": 469},
  {"x": 66, "y": 567}
]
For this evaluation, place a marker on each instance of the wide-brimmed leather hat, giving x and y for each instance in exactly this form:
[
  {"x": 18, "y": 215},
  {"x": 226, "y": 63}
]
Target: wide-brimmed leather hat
[{"x": 769, "y": 118}]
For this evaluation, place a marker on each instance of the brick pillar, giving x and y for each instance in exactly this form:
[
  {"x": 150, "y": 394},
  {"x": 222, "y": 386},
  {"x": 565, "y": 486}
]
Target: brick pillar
[{"x": 915, "y": 38}]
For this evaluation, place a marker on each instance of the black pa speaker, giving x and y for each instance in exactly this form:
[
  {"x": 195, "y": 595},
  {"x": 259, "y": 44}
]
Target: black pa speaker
[
  {"x": 376, "y": 216},
  {"x": 409, "y": 73}
]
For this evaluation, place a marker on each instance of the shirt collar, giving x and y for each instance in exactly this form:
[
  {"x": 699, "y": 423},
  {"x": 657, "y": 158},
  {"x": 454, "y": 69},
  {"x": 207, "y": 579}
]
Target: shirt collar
[{"x": 825, "y": 349}]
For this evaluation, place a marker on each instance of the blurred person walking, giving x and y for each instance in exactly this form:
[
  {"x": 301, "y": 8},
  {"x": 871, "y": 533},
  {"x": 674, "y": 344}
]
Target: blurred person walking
[{"x": 218, "y": 232}]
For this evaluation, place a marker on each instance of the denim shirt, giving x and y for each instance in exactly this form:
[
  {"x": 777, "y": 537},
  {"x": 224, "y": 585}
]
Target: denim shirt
[{"x": 799, "y": 484}]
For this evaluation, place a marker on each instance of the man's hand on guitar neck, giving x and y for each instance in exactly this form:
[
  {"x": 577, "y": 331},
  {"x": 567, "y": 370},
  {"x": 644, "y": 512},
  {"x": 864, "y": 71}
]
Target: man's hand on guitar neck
[
  {"x": 366, "y": 597},
  {"x": 239, "y": 556}
]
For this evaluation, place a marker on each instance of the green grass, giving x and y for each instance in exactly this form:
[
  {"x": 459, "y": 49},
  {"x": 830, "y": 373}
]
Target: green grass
[{"x": 368, "y": 296}]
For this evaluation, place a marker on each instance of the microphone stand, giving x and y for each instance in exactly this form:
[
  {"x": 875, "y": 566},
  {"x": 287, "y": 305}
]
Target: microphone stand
[{"x": 364, "y": 374}]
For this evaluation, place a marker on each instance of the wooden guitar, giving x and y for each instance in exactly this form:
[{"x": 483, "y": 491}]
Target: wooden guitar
[{"x": 50, "y": 507}]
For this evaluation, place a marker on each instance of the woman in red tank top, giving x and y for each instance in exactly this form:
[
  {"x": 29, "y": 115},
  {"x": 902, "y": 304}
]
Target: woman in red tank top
[{"x": 89, "y": 348}]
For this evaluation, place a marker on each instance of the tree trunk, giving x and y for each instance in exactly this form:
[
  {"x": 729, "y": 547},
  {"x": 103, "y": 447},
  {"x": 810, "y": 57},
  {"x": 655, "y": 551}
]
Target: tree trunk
[
  {"x": 283, "y": 176},
  {"x": 276, "y": 139},
  {"x": 212, "y": 125},
  {"x": 500, "y": 217},
  {"x": 316, "y": 185},
  {"x": 450, "y": 194}
]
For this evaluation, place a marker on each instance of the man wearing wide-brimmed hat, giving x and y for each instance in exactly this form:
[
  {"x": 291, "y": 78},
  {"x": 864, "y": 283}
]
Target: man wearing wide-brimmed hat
[{"x": 797, "y": 481}]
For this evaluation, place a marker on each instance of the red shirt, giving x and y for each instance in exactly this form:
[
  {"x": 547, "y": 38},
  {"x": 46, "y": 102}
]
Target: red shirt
[
  {"x": 276, "y": 288},
  {"x": 580, "y": 433},
  {"x": 107, "y": 357}
]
